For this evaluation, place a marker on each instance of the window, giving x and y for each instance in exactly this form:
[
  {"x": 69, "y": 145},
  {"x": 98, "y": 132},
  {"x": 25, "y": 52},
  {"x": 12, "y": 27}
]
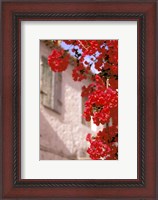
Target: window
[{"x": 51, "y": 88}]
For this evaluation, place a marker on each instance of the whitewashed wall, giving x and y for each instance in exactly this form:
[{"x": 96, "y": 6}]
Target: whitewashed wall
[{"x": 63, "y": 136}]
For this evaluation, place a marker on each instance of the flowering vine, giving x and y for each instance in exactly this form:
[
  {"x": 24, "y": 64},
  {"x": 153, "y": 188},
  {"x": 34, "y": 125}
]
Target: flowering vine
[{"x": 96, "y": 60}]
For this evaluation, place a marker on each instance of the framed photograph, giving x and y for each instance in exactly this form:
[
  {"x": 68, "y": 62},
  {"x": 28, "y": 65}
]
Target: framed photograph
[{"x": 79, "y": 99}]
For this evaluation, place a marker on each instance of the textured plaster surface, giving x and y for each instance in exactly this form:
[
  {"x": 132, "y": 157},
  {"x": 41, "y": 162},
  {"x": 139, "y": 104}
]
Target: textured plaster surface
[{"x": 62, "y": 136}]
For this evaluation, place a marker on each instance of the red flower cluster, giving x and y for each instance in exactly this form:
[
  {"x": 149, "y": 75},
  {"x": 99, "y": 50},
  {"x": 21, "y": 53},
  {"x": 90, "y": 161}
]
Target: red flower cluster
[
  {"x": 69, "y": 42},
  {"x": 114, "y": 70},
  {"x": 99, "y": 105},
  {"x": 80, "y": 72},
  {"x": 108, "y": 58},
  {"x": 86, "y": 91},
  {"x": 104, "y": 144},
  {"x": 102, "y": 93},
  {"x": 114, "y": 116},
  {"x": 58, "y": 60},
  {"x": 107, "y": 51},
  {"x": 98, "y": 84},
  {"x": 113, "y": 83},
  {"x": 112, "y": 51},
  {"x": 89, "y": 47}
]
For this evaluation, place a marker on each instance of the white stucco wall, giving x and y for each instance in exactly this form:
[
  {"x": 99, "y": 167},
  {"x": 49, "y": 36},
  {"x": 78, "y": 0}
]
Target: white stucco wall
[{"x": 63, "y": 136}]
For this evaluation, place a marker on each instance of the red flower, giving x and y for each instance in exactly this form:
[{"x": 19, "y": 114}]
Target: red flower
[
  {"x": 88, "y": 138},
  {"x": 86, "y": 91},
  {"x": 58, "y": 60},
  {"x": 69, "y": 42},
  {"x": 113, "y": 83},
  {"x": 99, "y": 105},
  {"x": 98, "y": 84},
  {"x": 99, "y": 81},
  {"x": 80, "y": 72},
  {"x": 114, "y": 70},
  {"x": 104, "y": 145}
]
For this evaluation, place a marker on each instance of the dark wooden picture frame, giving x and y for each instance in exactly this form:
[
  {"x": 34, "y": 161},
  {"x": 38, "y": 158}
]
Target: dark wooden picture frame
[{"x": 144, "y": 12}]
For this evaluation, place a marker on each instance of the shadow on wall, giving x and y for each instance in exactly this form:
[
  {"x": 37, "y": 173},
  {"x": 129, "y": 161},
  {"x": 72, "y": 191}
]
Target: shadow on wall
[{"x": 51, "y": 146}]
